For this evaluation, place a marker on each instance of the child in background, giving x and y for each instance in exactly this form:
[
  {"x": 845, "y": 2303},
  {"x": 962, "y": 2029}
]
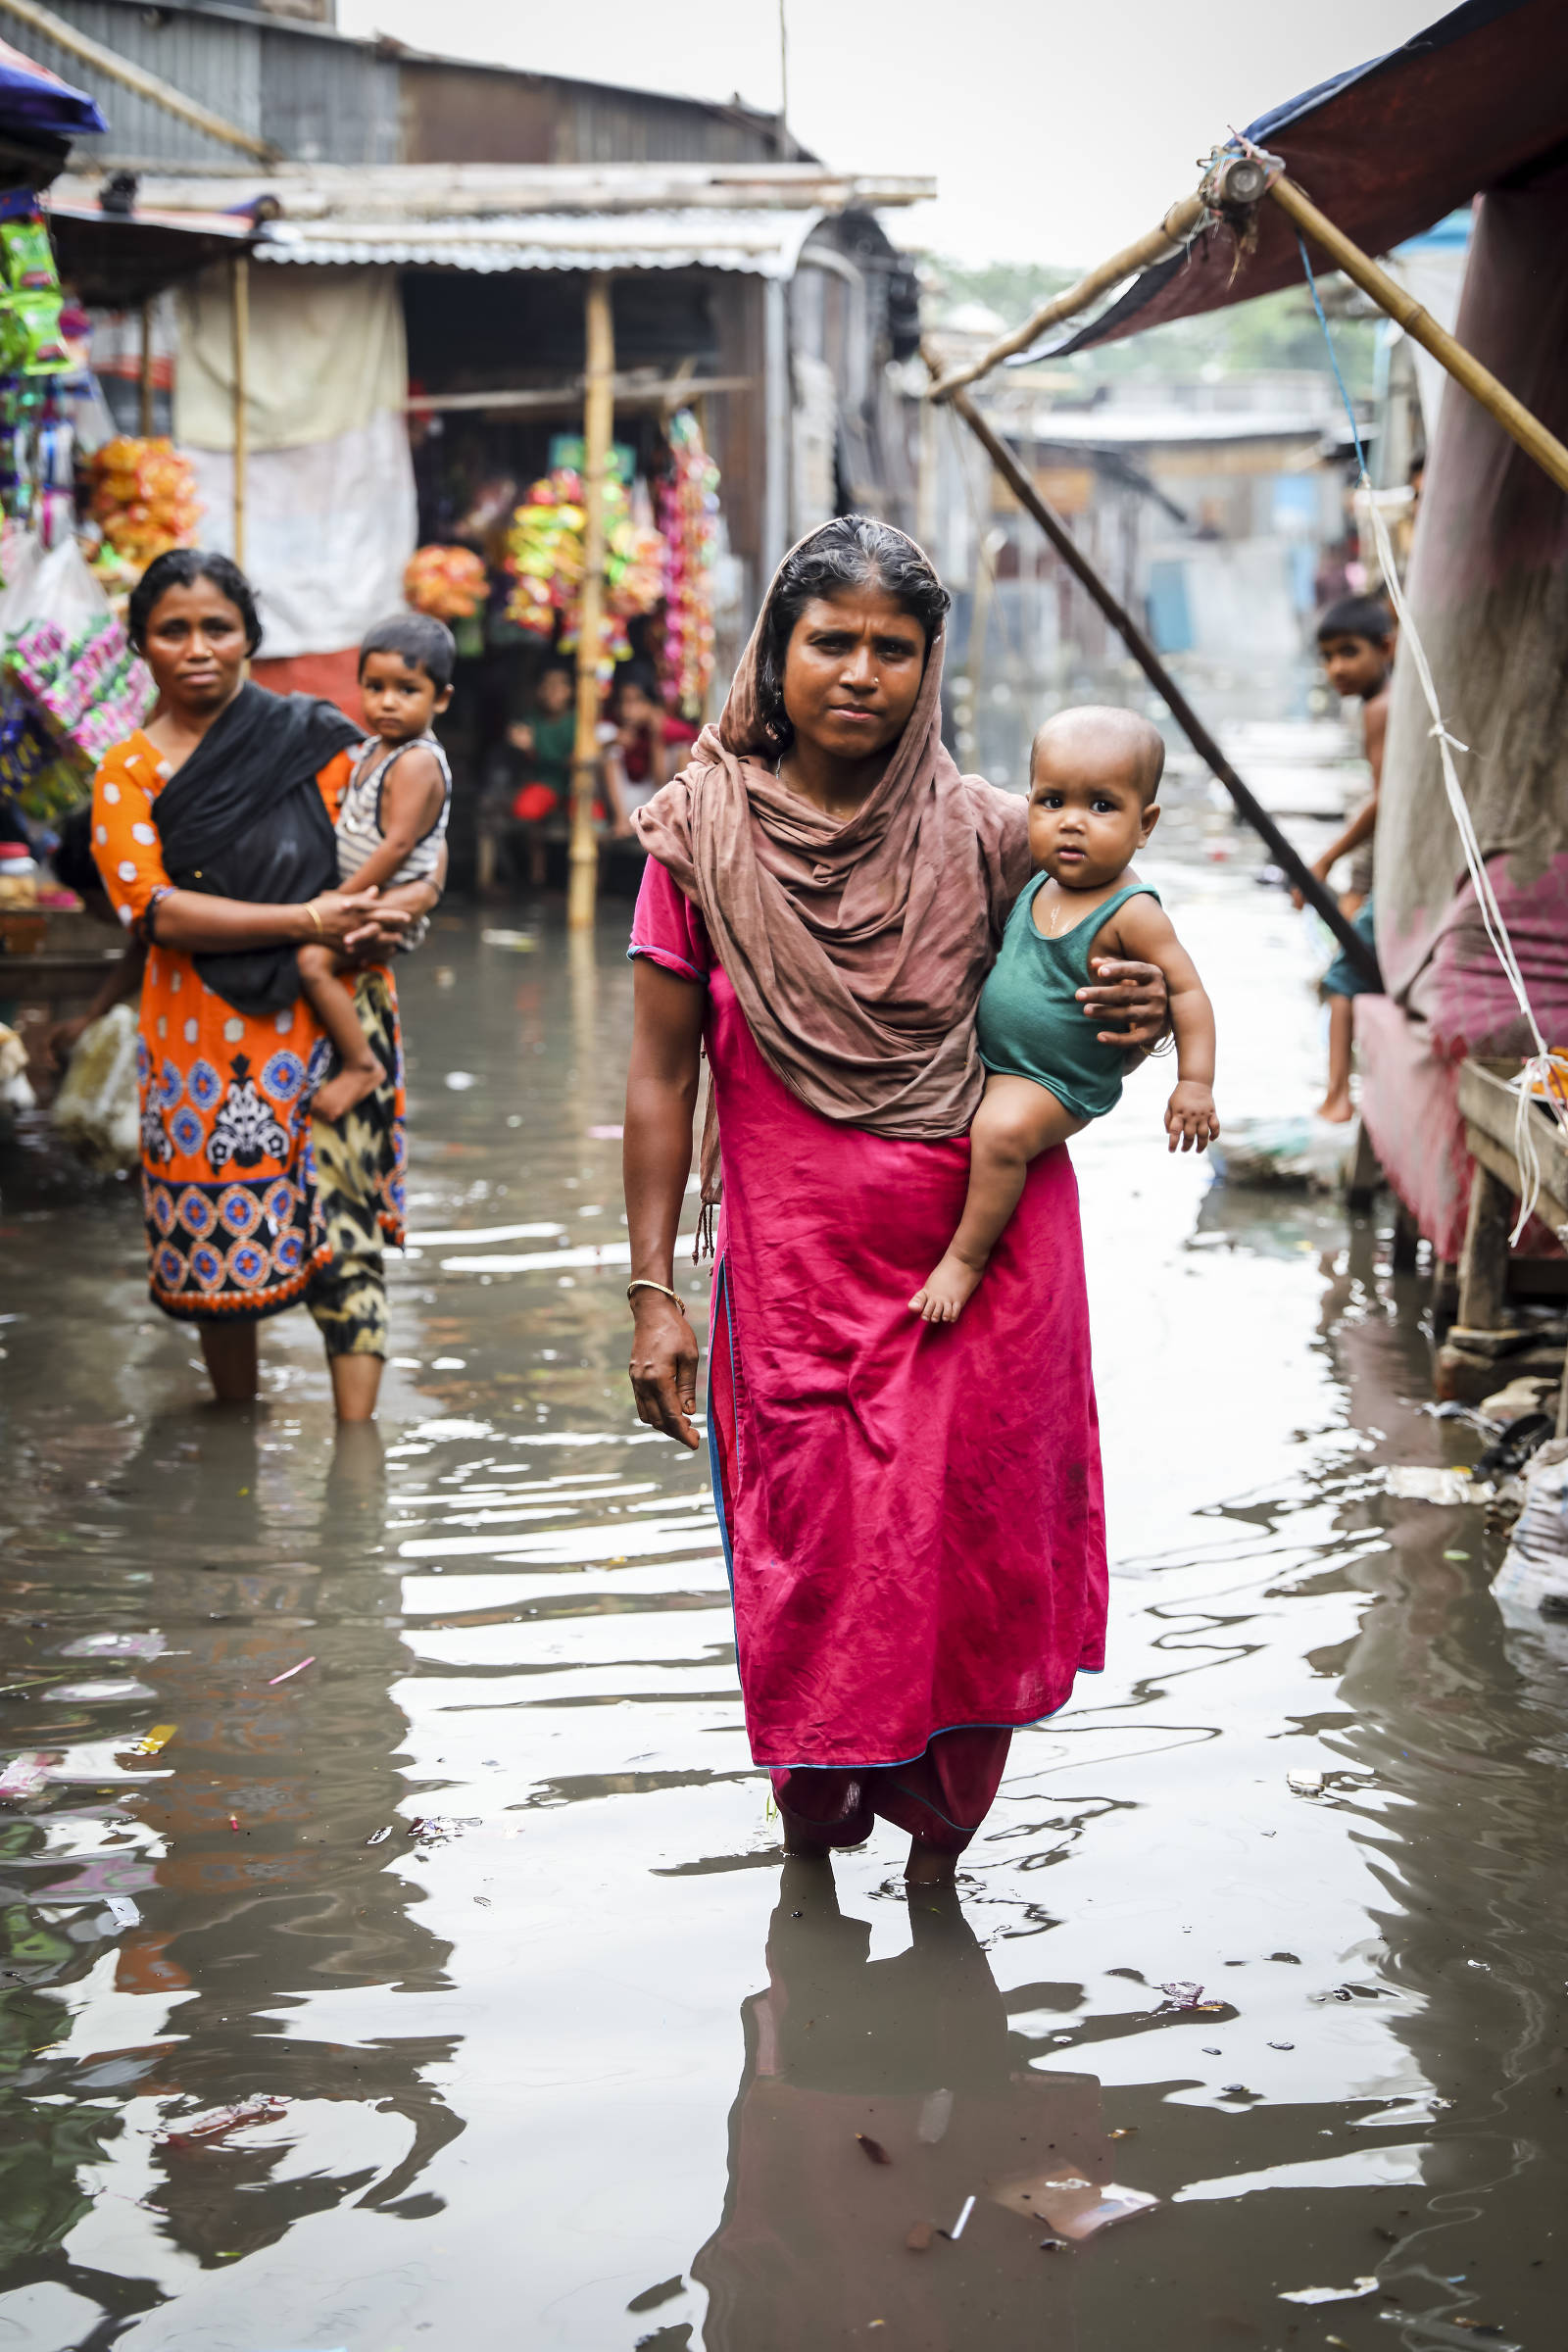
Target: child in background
[
  {"x": 645, "y": 735},
  {"x": 1093, "y": 778},
  {"x": 1356, "y": 646},
  {"x": 546, "y": 740},
  {"x": 390, "y": 826}
]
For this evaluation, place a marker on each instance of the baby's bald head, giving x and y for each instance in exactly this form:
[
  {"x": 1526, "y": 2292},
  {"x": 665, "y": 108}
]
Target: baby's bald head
[{"x": 1100, "y": 741}]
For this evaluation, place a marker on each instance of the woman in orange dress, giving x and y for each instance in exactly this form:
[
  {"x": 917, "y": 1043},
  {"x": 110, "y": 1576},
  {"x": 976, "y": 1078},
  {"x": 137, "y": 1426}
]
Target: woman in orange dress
[{"x": 212, "y": 832}]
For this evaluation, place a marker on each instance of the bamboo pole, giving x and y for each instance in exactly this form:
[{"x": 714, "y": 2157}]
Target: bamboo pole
[
  {"x": 1158, "y": 246},
  {"x": 240, "y": 306},
  {"x": 598, "y": 421},
  {"x": 156, "y": 91},
  {"x": 146, "y": 370},
  {"x": 1317, "y": 896},
  {"x": 1421, "y": 327}
]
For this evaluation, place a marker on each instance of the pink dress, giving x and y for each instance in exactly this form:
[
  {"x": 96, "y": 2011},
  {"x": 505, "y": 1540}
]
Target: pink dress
[{"x": 912, "y": 1513}]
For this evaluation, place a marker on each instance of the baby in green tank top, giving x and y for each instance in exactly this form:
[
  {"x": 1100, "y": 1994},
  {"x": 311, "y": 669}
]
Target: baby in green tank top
[{"x": 1093, "y": 779}]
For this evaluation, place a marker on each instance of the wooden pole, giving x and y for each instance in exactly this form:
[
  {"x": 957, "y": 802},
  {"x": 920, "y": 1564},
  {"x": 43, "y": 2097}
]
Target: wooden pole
[
  {"x": 240, "y": 302},
  {"x": 1421, "y": 327},
  {"x": 1158, "y": 246},
  {"x": 1319, "y": 897},
  {"x": 146, "y": 370},
  {"x": 598, "y": 421}
]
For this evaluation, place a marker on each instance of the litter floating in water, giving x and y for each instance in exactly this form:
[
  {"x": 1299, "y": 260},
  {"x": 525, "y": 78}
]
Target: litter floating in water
[
  {"x": 123, "y": 1911},
  {"x": 873, "y": 2148},
  {"x": 288, "y": 1673},
  {"x": 1122, "y": 2131},
  {"x": 459, "y": 1081},
  {"x": 520, "y": 943},
  {"x": 1282, "y": 2045},
  {"x": 936, "y": 2114},
  {"x": 1295, "y": 1151},
  {"x": 962, "y": 2222},
  {"x": 921, "y": 2236},
  {"x": 1415, "y": 1483},
  {"x": 1074, "y": 2208},
  {"x": 1305, "y": 1784},
  {"x": 1332, "y": 2294},
  {"x": 116, "y": 1645},
  {"x": 153, "y": 1743},
  {"x": 379, "y": 1837},
  {"x": 1183, "y": 1997},
  {"x": 24, "y": 1776},
  {"x": 200, "y": 2129}
]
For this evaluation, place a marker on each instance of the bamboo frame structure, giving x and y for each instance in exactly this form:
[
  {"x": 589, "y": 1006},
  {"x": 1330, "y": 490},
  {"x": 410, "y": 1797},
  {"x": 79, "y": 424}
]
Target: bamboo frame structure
[
  {"x": 145, "y": 372},
  {"x": 1391, "y": 299},
  {"x": 598, "y": 425},
  {"x": 1158, "y": 246},
  {"x": 239, "y": 282},
  {"x": 1317, "y": 895}
]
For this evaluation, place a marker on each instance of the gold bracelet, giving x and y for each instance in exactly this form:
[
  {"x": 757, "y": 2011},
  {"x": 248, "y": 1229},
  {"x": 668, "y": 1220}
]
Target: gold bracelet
[
  {"x": 316, "y": 919},
  {"x": 643, "y": 1283}
]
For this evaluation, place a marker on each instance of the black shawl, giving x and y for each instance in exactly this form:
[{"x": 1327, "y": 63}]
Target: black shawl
[{"x": 244, "y": 820}]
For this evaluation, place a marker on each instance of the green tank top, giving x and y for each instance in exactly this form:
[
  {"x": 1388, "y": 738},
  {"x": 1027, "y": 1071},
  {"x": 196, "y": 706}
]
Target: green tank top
[{"x": 1030, "y": 1023}]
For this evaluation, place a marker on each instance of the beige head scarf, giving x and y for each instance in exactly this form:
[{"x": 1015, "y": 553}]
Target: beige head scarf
[{"x": 856, "y": 950}]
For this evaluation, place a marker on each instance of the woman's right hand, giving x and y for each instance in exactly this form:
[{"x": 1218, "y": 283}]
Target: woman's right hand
[
  {"x": 663, "y": 1366},
  {"x": 348, "y": 916}
]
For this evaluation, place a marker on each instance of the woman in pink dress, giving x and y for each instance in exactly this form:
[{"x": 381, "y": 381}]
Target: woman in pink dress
[{"x": 912, "y": 1512}]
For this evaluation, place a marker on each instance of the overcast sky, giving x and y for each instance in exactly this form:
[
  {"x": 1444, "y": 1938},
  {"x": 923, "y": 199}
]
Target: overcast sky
[{"x": 1057, "y": 129}]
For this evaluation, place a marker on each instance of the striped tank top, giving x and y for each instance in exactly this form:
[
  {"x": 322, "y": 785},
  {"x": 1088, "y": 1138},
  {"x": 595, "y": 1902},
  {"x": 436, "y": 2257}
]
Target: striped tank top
[{"x": 358, "y": 825}]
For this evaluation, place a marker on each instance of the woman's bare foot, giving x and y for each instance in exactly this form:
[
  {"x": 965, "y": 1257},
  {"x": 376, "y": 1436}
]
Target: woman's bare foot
[
  {"x": 928, "y": 1868},
  {"x": 949, "y": 1288},
  {"x": 350, "y": 1085},
  {"x": 1337, "y": 1108}
]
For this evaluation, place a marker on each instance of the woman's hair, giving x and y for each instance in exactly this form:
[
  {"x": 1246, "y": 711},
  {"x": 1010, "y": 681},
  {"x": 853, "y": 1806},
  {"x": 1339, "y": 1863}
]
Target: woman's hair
[
  {"x": 853, "y": 551},
  {"x": 182, "y": 568},
  {"x": 424, "y": 643},
  {"x": 640, "y": 674}
]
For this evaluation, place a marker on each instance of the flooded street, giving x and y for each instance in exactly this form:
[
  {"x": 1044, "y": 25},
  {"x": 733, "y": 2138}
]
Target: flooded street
[{"x": 483, "y": 1906}]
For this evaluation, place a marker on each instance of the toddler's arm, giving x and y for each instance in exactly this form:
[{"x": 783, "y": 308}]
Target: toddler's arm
[
  {"x": 1146, "y": 931},
  {"x": 410, "y": 802}
]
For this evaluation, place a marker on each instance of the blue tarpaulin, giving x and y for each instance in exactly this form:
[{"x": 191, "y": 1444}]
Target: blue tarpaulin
[{"x": 36, "y": 103}]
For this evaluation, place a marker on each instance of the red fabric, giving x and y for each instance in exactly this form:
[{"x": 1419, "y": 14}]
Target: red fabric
[
  {"x": 912, "y": 1512},
  {"x": 941, "y": 1798},
  {"x": 533, "y": 803},
  {"x": 335, "y": 677}
]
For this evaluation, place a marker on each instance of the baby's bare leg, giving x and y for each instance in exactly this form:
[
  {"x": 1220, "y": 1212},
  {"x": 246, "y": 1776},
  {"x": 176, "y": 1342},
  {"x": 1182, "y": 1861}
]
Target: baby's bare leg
[
  {"x": 359, "y": 1074},
  {"x": 1016, "y": 1122}
]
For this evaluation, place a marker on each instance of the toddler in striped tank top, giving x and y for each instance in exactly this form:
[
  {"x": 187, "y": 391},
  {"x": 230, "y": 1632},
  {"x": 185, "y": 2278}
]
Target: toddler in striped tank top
[{"x": 391, "y": 827}]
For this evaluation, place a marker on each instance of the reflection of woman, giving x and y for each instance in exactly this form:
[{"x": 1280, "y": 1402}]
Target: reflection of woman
[
  {"x": 912, "y": 1514},
  {"x": 213, "y": 831},
  {"x": 915, "y": 2053}
]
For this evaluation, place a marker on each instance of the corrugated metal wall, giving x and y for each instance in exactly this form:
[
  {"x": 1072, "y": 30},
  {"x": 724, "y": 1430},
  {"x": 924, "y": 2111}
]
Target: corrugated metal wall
[
  {"x": 213, "y": 60},
  {"x": 323, "y": 102},
  {"x": 320, "y": 100},
  {"x": 316, "y": 100}
]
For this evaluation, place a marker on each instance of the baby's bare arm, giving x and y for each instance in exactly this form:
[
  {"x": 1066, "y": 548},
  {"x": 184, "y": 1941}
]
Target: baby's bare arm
[
  {"x": 410, "y": 802},
  {"x": 1150, "y": 935}
]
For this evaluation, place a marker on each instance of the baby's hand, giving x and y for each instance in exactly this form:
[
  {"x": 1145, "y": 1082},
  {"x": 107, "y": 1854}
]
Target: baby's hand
[{"x": 1190, "y": 1117}]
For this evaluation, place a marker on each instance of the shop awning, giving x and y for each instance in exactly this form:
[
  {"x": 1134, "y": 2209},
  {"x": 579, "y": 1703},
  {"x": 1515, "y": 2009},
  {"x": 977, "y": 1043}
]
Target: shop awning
[
  {"x": 116, "y": 260},
  {"x": 763, "y": 244},
  {"x": 1385, "y": 150}
]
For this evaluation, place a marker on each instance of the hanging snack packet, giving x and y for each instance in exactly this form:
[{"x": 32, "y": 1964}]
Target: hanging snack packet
[
  {"x": 29, "y": 256},
  {"x": 30, "y": 341}
]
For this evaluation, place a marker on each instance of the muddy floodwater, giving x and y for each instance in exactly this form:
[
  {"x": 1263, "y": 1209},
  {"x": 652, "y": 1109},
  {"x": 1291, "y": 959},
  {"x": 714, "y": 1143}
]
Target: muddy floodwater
[{"x": 480, "y": 1919}]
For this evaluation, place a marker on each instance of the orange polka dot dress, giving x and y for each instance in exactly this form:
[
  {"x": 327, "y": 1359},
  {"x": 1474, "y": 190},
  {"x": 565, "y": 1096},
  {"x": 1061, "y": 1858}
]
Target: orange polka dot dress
[{"x": 236, "y": 1227}]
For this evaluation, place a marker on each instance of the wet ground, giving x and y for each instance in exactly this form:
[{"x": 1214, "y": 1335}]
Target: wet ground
[{"x": 485, "y": 1906}]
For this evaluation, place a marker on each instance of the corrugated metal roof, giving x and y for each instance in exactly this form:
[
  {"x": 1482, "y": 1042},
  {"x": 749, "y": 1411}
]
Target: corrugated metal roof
[{"x": 762, "y": 244}]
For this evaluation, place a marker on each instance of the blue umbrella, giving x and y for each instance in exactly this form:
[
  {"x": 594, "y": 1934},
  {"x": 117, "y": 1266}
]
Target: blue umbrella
[{"x": 34, "y": 101}]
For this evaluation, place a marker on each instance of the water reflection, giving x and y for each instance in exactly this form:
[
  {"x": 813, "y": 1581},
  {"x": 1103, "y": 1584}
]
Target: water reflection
[
  {"x": 171, "y": 1918},
  {"x": 914, "y": 2053}
]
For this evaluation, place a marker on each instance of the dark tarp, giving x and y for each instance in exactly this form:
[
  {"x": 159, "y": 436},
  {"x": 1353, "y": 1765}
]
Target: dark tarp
[
  {"x": 115, "y": 260},
  {"x": 1476, "y": 101}
]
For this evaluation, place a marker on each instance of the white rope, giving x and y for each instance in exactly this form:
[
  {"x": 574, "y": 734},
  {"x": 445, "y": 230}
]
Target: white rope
[{"x": 1540, "y": 1072}]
